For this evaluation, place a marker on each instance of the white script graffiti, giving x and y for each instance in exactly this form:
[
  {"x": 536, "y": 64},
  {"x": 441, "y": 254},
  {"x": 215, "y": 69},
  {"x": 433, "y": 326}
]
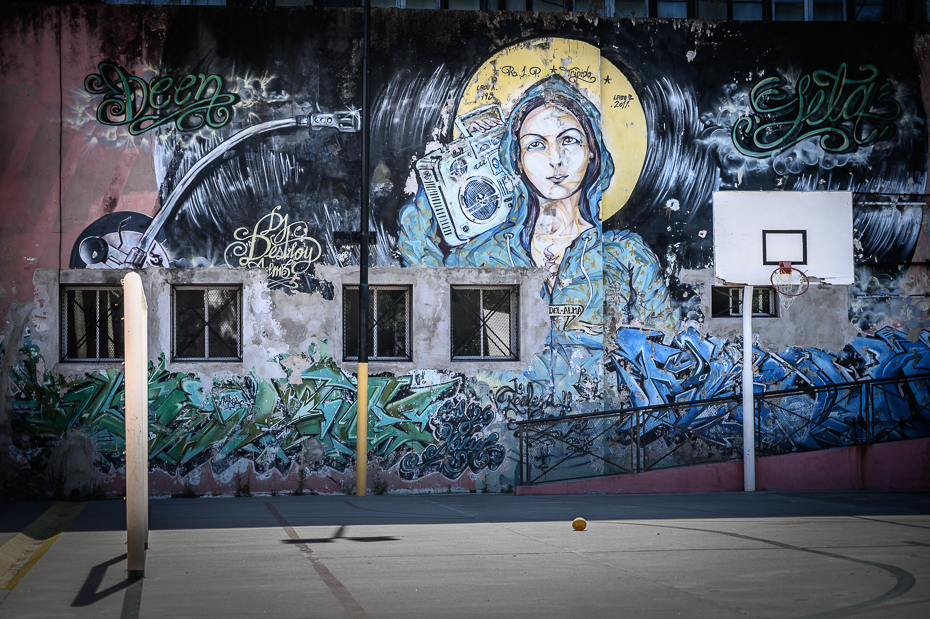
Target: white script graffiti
[{"x": 284, "y": 249}]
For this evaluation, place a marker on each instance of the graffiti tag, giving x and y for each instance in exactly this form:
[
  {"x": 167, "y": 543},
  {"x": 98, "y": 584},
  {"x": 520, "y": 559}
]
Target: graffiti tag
[
  {"x": 845, "y": 113},
  {"x": 572, "y": 74},
  {"x": 459, "y": 427},
  {"x": 622, "y": 101},
  {"x": 521, "y": 401},
  {"x": 565, "y": 310},
  {"x": 512, "y": 72},
  {"x": 190, "y": 102},
  {"x": 283, "y": 248}
]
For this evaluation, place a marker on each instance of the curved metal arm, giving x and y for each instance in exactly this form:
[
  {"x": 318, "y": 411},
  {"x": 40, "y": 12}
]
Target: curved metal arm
[
  {"x": 136, "y": 257},
  {"x": 343, "y": 122}
]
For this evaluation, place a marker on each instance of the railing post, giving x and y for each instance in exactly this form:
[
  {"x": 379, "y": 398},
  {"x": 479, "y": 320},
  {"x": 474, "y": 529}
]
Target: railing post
[
  {"x": 749, "y": 452},
  {"x": 135, "y": 329},
  {"x": 870, "y": 413}
]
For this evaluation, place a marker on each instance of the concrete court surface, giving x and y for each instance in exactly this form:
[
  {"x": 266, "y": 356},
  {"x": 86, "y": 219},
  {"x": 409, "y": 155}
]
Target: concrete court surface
[{"x": 767, "y": 554}]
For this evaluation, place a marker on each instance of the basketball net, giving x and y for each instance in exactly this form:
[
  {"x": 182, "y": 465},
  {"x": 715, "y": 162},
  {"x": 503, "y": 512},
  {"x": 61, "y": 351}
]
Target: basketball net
[{"x": 790, "y": 283}]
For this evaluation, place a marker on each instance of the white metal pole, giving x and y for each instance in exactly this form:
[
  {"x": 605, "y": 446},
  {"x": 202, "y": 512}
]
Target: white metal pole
[
  {"x": 749, "y": 420},
  {"x": 135, "y": 329}
]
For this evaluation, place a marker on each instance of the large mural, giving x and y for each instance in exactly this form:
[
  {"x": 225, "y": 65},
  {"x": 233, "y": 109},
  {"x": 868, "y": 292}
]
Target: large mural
[{"x": 581, "y": 148}]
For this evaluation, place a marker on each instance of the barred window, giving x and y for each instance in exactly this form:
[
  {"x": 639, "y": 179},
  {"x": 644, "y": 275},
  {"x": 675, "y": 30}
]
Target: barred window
[
  {"x": 727, "y": 301},
  {"x": 388, "y": 323},
  {"x": 484, "y": 322},
  {"x": 206, "y": 323},
  {"x": 91, "y": 323}
]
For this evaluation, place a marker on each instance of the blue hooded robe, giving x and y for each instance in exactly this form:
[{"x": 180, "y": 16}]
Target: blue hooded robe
[{"x": 570, "y": 368}]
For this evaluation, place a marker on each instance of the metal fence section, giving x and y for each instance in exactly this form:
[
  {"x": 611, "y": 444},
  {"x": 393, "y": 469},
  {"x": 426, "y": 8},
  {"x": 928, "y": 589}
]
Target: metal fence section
[
  {"x": 630, "y": 441},
  {"x": 704, "y": 431},
  {"x": 812, "y": 418},
  {"x": 900, "y": 408},
  {"x": 843, "y": 415}
]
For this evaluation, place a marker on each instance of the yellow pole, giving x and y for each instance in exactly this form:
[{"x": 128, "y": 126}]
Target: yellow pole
[
  {"x": 361, "y": 432},
  {"x": 361, "y": 416}
]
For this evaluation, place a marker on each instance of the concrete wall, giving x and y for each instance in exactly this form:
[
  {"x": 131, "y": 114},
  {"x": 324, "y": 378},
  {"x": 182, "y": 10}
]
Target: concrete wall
[{"x": 225, "y": 143}]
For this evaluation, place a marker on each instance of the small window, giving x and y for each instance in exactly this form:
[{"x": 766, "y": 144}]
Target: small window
[
  {"x": 547, "y": 5},
  {"x": 829, "y": 10},
  {"x": 868, "y": 10},
  {"x": 206, "y": 323},
  {"x": 727, "y": 301},
  {"x": 712, "y": 9},
  {"x": 92, "y": 323},
  {"x": 388, "y": 323},
  {"x": 675, "y": 9},
  {"x": 629, "y": 9},
  {"x": 788, "y": 10},
  {"x": 745, "y": 10},
  {"x": 484, "y": 322}
]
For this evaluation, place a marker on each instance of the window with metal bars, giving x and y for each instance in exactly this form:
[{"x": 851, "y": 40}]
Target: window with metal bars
[
  {"x": 727, "y": 301},
  {"x": 388, "y": 323},
  {"x": 91, "y": 323},
  {"x": 484, "y": 322},
  {"x": 206, "y": 323}
]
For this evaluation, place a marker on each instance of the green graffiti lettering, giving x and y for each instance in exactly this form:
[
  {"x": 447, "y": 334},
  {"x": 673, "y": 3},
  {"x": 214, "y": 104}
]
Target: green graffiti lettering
[
  {"x": 845, "y": 113},
  {"x": 186, "y": 82},
  {"x": 141, "y": 106}
]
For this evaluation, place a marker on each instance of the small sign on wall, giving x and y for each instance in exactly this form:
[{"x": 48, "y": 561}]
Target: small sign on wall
[{"x": 565, "y": 310}]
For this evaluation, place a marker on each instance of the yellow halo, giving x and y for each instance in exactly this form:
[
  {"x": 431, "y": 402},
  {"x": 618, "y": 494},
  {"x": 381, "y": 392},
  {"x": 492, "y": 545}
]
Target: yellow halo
[{"x": 505, "y": 77}]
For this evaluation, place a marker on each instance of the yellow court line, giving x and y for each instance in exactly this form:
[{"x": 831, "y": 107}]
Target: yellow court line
[{"x": 18, "y": 555}]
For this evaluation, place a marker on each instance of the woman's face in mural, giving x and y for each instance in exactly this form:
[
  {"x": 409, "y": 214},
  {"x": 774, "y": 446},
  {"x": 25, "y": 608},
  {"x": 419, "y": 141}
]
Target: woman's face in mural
[{"x": 554, "y": 153}]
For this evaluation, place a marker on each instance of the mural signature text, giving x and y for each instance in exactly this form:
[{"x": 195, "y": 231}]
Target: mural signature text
[
  {"x": 572, "y": 74},
  {"x": 283, "y": 248}
]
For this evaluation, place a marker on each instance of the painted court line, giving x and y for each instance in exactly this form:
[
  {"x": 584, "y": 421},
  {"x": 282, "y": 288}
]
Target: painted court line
[
  {"x": 18, "y": 555},
  {"x": 339, "y": 590},
  {"x": 905, "y": 580}
]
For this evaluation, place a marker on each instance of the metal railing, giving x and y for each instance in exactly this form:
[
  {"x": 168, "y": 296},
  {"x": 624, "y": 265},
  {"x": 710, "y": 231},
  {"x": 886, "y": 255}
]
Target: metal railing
[
  {"x": 630, "y": 441},
  {"x": 843, "y": 414},
  {"x": 704, "y": 431}
]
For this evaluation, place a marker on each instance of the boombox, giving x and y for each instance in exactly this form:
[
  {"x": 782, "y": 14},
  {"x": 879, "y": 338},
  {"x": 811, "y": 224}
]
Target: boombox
[{"x": 466, "y": 187}]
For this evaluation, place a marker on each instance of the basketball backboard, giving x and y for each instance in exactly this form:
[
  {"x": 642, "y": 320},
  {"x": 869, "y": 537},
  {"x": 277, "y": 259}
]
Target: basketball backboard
[{"x": 754, "y": 231}]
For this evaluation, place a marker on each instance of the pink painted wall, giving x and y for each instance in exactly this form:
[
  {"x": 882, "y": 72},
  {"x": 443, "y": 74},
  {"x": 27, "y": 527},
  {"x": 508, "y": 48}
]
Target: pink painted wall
[
  {"x": 29, "y": 159},
  {"x": 902, "y": 465},
  {"x": 883, "y": 466},
  {"x": 38, "y": 88}
]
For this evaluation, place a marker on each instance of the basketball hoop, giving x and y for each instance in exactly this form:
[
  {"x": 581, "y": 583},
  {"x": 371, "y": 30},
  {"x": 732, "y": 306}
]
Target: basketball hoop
[{"x": 789, "y": 282}]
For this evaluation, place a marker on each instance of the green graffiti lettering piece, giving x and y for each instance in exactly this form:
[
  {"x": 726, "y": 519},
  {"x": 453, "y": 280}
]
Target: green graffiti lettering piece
[
  {"x": 845, "y": 113},
  {"x": 129, "y": 100},
  {"x": 266, "y": 421}
]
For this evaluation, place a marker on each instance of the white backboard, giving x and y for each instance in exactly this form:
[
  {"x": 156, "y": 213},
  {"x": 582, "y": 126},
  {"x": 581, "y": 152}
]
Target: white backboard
[{"x": 755, "y": 230}]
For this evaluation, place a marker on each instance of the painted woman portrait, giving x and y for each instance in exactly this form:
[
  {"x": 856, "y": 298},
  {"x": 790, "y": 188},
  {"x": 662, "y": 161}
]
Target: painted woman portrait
[{"x": 553, "y": 148}]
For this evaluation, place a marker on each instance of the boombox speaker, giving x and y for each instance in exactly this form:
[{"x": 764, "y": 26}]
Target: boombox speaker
[{"x": 466, "y": 187}]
